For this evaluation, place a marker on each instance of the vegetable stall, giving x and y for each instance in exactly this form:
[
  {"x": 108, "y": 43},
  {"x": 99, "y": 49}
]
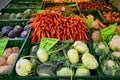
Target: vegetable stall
[{"x": 60, "y": 40}]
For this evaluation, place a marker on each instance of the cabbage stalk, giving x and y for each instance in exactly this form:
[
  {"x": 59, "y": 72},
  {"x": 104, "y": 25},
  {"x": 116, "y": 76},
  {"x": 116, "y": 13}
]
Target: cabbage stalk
[
  {"x": 23, "y": 67},
  {"x": 81, "y": 47},
  {"x": 89, "y": 61}
]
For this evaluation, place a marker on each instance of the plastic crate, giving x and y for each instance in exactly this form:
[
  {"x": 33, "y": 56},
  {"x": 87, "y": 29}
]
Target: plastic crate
[
  {"x": 14, "y": 10},
  {"x": 13, "y": 24},
  {"x": 100, "y": 12},
  {"x": 79, "y": 3},
  {"x": 27, "y": 1},
  {"x": 103, "y": 77},
  {"x": 24, "y": 5},
  {"x": 47, "y": 4},
  {"x": 10, "y": 74},
  {"x": 96, "y": 74},
  {"x": 94, "y": 13}
]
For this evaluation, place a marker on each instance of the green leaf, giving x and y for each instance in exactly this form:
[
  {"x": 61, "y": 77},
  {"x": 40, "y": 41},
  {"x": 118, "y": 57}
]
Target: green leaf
[
  {"x": 53, "y": 57},
  {"x": 40, "y": 11},
  {"x": 108, "y": 32},
  {"x": 89, "y": 22}
]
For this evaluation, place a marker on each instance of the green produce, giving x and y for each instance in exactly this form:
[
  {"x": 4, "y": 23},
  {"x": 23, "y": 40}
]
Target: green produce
[
  {"x": 115, "y": 43},
  {"x": 19, "y": 15},
  {"x": 81, "y": 47},
  {"x": 73, "y": 55},
  {"x": 89, "y": 61},
  {"x": 5, "y": 16},
  {"x": 12, "y": 16},
  {"x": 101, "y": 48},
  {"x": 65, "y": 71},
  {"x": 61, "y": 60},
  {"x": 42, "y": 55},
  {"x": 27, "y": 13},
  {"x": 21, "y": 68},
  {"x": 116, "y": 54},
  {"x": 82, "y": 71},
  {"x": 110, "y": 67},
  {"x": 47, "y": 69},
  {"x": 67, "y": 13}
]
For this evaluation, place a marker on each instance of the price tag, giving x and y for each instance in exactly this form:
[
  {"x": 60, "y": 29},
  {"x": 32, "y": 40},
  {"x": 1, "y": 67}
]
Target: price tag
[
  {"x": 71, "y": 5},
  {"x": 108, "y": 32},
  {"x": 3, "y": 43},
  {"x": 89, "y": 22},
  {"x": 40, "y": 11},
  {"x": 48, "y": 43}
]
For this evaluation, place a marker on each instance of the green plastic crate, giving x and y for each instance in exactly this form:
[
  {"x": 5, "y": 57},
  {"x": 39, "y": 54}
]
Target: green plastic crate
[
  {"x": 103, "y": 77},
  {"x": 10, "y": 74},
  {"x": 100, "y": 12},
  {"x": 94, "y": 13},
  {"x": 96, "y": 74},
  {"x": 13, "y": 24},
  {"x": 24, "y": 5},
  {"x": 27, "y": 0},
  {"x": 47, "y": 4},
  {"x": 113, "y": 8},
  {"x": 14, "y": 10}
]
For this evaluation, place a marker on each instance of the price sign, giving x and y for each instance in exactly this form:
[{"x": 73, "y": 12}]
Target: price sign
[
  {"x": 89, "y": 22},
  {"x": 48, "y": 43},
  {"x": 108, "y": 32},
  {"x": 3, "y": 43}
]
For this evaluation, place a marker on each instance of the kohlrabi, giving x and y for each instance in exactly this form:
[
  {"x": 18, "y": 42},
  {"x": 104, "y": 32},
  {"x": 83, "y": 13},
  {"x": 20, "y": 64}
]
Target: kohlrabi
[
  {"x": 23, "y": 67},
  {"x": 73, "y": 55},
  {"x": 42, "y": 55},
  {"x": 65, "y": 71},
  {"x": 81, "y": 47},
  {"x": 89, "y": 61},
  {"x": 82, "y": 71}
]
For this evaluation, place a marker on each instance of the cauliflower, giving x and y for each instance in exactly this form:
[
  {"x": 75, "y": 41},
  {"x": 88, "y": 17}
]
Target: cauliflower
[
  {"x": 115, "y": 43},
  {"x": 101, "y": 48}
]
